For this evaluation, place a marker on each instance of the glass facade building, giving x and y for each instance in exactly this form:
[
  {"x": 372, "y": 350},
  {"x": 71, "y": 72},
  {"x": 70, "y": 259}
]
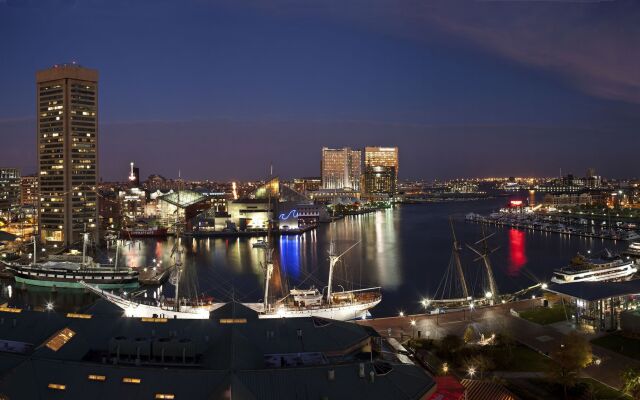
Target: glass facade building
[
  {"x": 381, "y": 170},
  {"x": 67, "y": 129},
  {"x": 341, "y": 168}
]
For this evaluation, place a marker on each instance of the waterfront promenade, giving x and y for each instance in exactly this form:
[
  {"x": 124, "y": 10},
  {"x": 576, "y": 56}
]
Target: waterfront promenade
[{"x": 497, "y": 319}]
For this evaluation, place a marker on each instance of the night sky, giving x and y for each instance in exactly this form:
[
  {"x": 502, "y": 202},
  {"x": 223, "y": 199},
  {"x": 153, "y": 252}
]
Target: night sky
[{"x": 220, "y": 89}]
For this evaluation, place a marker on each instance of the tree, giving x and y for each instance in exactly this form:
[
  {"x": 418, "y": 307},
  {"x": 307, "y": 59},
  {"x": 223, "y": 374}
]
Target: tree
[
  {"x": 573, "y": 355},
  {"x": 479, "y": 364},
  {"x": 631, "y": 383},
  {"x": 469, "y": 334},
  {"x": 448, "y": 346}
]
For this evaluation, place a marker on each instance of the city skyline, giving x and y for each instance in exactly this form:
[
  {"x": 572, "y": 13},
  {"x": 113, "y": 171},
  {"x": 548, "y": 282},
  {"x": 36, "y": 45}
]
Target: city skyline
[{"x": 452, "y": 100}]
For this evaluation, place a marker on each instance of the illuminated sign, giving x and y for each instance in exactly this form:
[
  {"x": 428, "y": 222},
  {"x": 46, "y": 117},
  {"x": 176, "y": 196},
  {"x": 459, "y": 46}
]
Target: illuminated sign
[
  {"x": 292, "y": 213},
  {"x": 516, "y": 203}
]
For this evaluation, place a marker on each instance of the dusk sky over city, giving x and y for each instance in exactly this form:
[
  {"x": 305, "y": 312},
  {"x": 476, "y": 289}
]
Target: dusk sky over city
[{"x": 221, "y": 89}]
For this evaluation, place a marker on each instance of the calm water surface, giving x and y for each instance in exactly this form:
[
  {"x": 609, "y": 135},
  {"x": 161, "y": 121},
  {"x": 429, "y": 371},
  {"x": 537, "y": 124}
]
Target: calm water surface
[{"x": 406, "y": 251}]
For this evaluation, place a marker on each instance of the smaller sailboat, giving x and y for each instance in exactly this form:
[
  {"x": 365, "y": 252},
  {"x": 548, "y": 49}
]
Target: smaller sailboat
[
  {"x": 67, "y": 271},
  {"x": 343, "y": 305}
]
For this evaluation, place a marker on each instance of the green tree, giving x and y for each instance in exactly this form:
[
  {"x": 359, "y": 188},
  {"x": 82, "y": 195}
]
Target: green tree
[
  {"x": 469, "y": 334},
  {"x": 448, "y": 346},
  {"x": 631, "y": 383},
  {"x": 573, "y": 355}
]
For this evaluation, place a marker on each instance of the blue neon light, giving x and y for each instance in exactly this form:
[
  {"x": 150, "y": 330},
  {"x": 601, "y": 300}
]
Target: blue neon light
[{"x": 292, "y": 213}]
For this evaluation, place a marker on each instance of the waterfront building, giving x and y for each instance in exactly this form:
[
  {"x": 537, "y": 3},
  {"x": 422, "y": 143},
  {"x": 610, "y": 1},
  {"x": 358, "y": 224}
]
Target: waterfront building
[
  {"x": 67, "y": 148},
  {"x": 307, "y": 184},
  {"x": 335, "y": 196},
  {"x": 9, "y": 189},
  {"x": 567, "y": 199},
  {"x": 183, "y": 205},
  {"x": 132, "y": 203},
  {"x": 100, "y": 354},
  {"x": 250, "y": 214},
  {"x": 29, "y": 191},
  {"x": 380, "y": 171},
  {"x": 601, "y": 305},
  {"x": 341, "y": 168}
]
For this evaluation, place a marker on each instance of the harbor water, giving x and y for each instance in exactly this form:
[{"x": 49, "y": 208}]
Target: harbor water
[{"x": 405, "y": 251}]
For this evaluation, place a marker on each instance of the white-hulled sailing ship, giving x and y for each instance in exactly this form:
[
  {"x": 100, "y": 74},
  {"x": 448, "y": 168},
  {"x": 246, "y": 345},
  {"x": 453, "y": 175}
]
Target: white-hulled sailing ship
[
  {"x": 343, "y": 305},
  {"x": 198, "y": 308}
]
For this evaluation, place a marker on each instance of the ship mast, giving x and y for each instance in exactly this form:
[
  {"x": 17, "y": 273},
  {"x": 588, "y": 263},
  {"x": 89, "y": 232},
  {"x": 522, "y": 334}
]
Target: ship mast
[
  {"x": 268, "y": 270},
  {"x": 456, "y": 258},
  {"x": 115, "y": 265},
  {"x": 85, "y": 239},
  {"x": 483, "y": 254},
  {"x": 333, "y": 259},
  {"x": 178, "y": 252}
]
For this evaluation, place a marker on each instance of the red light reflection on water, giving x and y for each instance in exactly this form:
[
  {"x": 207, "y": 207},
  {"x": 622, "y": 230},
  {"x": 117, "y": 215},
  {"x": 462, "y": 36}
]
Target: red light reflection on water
[{"x": 517, "y": 256}]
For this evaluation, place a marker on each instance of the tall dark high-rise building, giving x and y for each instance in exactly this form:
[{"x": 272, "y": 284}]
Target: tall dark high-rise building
[
  {"x": 67, "y": 129},
  {"x": 380, "y": 171}
]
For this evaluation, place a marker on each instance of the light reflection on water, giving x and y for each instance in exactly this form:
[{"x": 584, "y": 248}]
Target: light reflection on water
[{"x": 405, "y": 251}]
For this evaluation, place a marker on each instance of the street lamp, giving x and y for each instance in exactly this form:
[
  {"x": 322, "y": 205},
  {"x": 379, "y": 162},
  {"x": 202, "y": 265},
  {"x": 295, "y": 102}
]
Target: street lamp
[
  {"x": 401, "y": 313},
  {"x": 472, "y": 371}
]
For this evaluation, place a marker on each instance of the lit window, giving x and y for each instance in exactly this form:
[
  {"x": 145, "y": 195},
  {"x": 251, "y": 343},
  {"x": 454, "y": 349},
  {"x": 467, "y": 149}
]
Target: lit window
[
  {"x": 60, "y": 339},
  {"x": 99, "y": 378},
  {"x": 56, "y": 386},
  {"x": 161, "y": 320},
  {"x": 11, "y": 310},
  {"x": 131, "y": 380},
  {"x": 233, "y": 320},
  {"x": 80, "y": 316},
  {"x": 165, "y": 396}
]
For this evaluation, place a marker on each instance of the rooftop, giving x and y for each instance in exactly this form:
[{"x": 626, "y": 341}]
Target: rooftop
[
  {"x": 233, "y": 351},
  {"x": 593, "y": 291}
]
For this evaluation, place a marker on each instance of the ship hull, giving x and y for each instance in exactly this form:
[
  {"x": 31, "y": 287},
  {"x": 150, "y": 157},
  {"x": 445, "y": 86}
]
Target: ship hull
[
  {"x": 618, "y": 273},
  {"x": 340, "y": 313},
  {"x": 74, "y": 284},
  {"x": 142, "y": 233},
  {"x": 70, "y": 279}
]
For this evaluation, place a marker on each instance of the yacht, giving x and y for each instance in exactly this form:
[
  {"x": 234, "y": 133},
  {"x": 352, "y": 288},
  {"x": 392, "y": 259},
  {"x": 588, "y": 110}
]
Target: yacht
[
  {"x": 633, "y": 251},
  {"x": 606, "y": 268}
]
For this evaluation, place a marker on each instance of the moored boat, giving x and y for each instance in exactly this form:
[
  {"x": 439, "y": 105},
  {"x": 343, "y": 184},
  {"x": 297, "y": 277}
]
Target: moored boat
[
  {"x": 608, "y": 267},
  {"x": 343, "y": 305}
]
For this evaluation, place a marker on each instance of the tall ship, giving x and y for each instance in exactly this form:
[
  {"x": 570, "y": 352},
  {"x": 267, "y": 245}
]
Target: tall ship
[
  {"x": 68, "y": 271},
  {"x": 340, "y": 305},
  {"x": 179, "y": 308},
  {"x": 608, "y": 267}
]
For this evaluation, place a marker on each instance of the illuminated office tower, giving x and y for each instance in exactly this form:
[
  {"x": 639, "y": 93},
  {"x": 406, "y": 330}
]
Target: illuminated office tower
[
  {"x": 9, "y": 189},
  {"x": 67, "y": 128},
  {"x": 341, "y": 168},
  {"x": 381, "y": 170}
]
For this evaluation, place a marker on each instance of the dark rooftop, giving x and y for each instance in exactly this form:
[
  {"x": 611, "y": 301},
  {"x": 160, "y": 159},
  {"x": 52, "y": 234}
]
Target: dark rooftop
[
  {"x": 232, "y": 352},
  {"x": 592, "y": 291}
]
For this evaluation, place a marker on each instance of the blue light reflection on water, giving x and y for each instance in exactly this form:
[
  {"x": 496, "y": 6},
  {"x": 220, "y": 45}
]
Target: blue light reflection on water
[{"x": 405, "y": 251}]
